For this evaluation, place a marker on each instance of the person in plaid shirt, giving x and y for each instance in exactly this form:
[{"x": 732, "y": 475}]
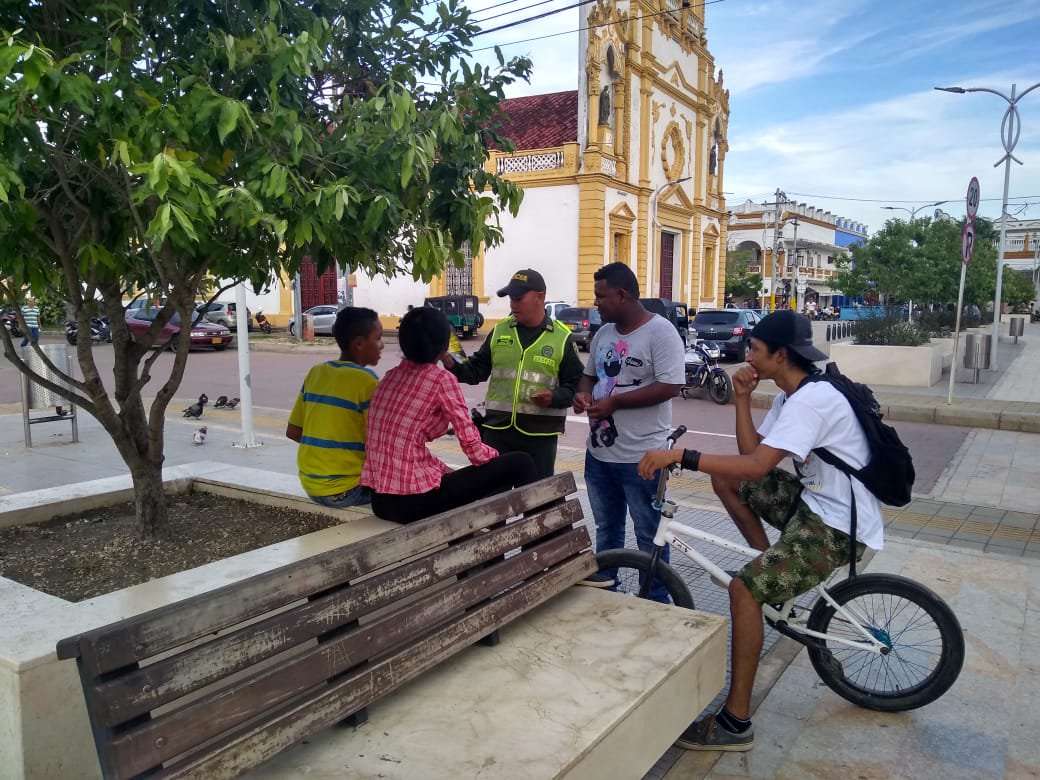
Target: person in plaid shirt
[{"x": 413, "y": 404}]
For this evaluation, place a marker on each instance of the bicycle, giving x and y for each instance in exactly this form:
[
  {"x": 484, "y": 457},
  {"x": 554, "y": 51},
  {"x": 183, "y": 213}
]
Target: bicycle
[{"x": 887, "y": 657}]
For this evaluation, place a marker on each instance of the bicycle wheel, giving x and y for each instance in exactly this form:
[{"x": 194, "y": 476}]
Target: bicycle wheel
[
  {"x": 925, "y": 640},
  {"x": 633, "y": 570}
]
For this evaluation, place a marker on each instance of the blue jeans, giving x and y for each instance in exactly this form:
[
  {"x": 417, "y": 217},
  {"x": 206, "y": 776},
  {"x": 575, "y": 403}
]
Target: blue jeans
[
  {"x": 614, "y": 488},
  {"x": 353, "y": 497},
  {"x": 33, "y": 335}
]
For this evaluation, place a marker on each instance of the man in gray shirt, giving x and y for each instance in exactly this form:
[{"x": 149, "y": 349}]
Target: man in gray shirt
[{"x": 636, "y": 366}]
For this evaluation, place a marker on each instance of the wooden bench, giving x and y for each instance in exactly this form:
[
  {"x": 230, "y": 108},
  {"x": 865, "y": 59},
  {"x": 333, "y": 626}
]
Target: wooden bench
[{"x": 215, "y": 684}]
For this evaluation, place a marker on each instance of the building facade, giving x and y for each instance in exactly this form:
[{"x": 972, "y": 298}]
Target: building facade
[
  {"x": 794, "y": 251},
  {"x": 628, "y": 166}
]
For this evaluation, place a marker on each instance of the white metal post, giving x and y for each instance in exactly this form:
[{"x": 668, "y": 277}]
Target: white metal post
[
  {"x": 1000, "y": 257},
  {"x": 956, "y": 334},
  {"x": 245, "y": 378}
]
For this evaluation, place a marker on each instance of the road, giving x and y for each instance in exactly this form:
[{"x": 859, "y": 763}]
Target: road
[{"x": 277, "y": 378}]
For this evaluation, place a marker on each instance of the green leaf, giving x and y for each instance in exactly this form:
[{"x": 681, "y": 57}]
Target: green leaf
[
  {"x": 341, "y": 203},
  {"x": 407, "y": 166},
  {"x": 185, "y": 223},
  {"x": 228, "y": 119}
]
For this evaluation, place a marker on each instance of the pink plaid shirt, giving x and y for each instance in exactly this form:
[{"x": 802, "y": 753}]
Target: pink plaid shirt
[{"x": 414, "y": 404}]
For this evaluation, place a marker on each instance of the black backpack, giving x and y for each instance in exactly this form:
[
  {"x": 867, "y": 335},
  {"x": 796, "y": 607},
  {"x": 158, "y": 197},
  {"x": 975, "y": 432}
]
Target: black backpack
[{"x": 889, "y": 474}]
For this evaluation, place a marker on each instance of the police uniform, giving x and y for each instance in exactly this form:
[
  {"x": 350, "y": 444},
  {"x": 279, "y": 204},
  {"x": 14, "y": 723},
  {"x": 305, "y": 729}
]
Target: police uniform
[{"x": 520, "y": 361}]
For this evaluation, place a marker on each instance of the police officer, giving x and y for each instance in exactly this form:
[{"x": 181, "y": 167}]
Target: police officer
[{"x": 534, "y": 369}]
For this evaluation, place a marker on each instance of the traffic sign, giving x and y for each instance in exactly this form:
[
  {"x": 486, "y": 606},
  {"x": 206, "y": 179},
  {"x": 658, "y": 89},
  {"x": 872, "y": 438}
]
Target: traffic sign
[
  {"x": 967, "y": 242},
  {"x": 972, "y": 199}
]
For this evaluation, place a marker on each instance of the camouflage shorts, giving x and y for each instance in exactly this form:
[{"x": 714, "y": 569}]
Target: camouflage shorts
[{"x": 808, "y": 549}]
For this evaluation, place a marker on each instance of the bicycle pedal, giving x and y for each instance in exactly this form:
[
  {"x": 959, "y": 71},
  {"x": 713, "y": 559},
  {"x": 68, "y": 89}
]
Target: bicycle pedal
[{"x": 832, "y": 664}]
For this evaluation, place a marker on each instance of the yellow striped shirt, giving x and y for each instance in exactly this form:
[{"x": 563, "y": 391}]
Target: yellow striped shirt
[{"x": 332, "y": 409}]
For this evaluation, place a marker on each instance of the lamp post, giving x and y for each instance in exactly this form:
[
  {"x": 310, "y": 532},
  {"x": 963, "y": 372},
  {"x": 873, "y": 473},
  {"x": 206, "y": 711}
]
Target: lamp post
[
  {"x": 653, "y": 225},
  {"x": 1010, "y": 130},
  {"x": 913, "y": 211}
]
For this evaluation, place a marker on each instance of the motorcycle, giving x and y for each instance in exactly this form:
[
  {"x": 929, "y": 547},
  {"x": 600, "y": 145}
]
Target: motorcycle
[
  {"x": 262, "y": 322},
  {"x": 703, "y": 371},
  {"x": 100, "y": 330},
  {"x": 10, "y": 320}
]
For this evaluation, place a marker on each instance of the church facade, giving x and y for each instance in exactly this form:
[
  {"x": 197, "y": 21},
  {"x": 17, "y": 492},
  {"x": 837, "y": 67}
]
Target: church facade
[{"x": 627, "y": 166}]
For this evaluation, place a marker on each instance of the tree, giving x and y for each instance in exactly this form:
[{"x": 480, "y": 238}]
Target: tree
[
  {"x": 920, "y": 261},
  {"x": 154, "y": 146},
  {"x": 740, "y": 283}
]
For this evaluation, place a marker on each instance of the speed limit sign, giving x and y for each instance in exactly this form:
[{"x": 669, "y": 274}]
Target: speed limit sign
[{"x": 972, "y": 199}]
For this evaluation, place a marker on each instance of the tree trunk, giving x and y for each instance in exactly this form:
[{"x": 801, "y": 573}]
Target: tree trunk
[{"x": 149, "y": 500}]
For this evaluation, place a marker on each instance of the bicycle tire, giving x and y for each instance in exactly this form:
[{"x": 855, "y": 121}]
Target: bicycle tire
[
  {"x": 836, "y": 675},
  {"x": 639, "y": 561}
]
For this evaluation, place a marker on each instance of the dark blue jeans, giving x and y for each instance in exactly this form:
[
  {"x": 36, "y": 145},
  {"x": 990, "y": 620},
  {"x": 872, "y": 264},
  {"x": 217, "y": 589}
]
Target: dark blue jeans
[{"x": 616, "y": 490}]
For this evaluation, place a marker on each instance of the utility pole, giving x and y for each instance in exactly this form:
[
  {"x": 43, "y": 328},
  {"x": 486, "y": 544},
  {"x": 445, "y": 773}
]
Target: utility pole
[
  {"x": 778, "y": 201},
  {"x": 796, "y": 276}
]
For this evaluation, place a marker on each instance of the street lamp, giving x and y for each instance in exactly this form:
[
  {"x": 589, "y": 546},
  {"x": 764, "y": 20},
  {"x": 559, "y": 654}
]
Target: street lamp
[
  {"x": 1010, "y": 130},
  {"x": 653, "y": 223},
  {"x": 913, "y": 211}
]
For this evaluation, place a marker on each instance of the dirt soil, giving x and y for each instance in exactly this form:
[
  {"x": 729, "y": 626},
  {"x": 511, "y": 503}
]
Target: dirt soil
[{"x": 81, "y": 556}]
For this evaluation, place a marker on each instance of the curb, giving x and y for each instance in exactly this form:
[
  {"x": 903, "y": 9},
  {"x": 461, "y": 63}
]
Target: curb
[{"x": 1017, "y": 416}]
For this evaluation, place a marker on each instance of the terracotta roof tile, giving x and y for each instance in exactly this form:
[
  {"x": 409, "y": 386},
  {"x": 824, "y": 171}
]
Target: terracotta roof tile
[{"x": 540, "y": 121}]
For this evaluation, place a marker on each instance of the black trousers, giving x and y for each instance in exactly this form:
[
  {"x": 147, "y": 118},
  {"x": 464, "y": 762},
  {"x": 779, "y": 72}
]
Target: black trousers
[
  {"x": 542, "y": 449},
  {"x": 463, "y": 486}
]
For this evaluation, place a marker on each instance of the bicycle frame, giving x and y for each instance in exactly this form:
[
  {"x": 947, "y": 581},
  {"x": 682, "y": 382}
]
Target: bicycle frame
[{"x": 666, "y": 534}]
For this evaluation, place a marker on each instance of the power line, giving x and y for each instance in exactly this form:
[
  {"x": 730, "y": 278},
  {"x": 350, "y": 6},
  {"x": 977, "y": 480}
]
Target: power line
[
  {"x": 535, "y": 18},
  {"x": 579, "y": 29},
  {"x": 897, "y": 200},
  {"x": 496, "y": 5},
  {"x": 514, "y": 11}
]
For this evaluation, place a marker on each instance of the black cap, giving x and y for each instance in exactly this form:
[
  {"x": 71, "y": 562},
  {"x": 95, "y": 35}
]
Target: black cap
[
  {"x": 786, "y": 328},
  {"x": 521, "y": 282}
]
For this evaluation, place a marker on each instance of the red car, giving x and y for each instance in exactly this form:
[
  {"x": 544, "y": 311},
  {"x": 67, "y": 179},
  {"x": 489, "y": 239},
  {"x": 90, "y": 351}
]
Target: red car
[{"x": 203, "y": 334}]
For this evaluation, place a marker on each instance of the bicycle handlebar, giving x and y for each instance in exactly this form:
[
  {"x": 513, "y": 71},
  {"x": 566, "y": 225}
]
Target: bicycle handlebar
[{"x": 676, "y": 434}]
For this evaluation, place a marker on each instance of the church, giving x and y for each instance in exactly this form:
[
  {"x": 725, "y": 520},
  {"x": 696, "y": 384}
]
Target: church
[{"x": 628, "y": 166}]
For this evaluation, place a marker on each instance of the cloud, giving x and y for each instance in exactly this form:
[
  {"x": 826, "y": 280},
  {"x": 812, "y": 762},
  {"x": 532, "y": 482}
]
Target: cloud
[{"x": 918, "y": 145}]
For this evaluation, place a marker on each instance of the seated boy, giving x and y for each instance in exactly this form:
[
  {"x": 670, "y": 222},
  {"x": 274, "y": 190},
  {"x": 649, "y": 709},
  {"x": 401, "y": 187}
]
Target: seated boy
[
  {"x": 331, "y": 411},
  {"x": 812, "y": 510}
]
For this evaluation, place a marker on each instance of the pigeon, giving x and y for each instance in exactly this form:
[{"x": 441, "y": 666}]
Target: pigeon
[
  {"x": 221, "y": 402},
  {"x": 199, "y": 437},
  {"x": 231, "y": 404},
  {"x": 195, "y": 410}
]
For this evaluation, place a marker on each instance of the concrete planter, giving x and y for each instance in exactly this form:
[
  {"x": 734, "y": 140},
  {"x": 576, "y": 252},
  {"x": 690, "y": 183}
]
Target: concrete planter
[
  {"x": 44, "y": 731},
  {"x": 899, "y": 366}
]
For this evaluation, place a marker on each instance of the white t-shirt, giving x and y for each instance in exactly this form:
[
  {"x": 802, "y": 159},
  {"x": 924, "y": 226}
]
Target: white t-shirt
[{"x": 819, "y": 416}]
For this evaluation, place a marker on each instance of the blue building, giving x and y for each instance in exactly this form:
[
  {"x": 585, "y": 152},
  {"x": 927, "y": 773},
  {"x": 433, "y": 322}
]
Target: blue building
[{"x": 849, "y": 233}]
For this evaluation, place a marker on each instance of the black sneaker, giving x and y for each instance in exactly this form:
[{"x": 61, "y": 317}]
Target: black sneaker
[
  {"x": 707, "y": 734},
  {"x": 599, "y": 580}
]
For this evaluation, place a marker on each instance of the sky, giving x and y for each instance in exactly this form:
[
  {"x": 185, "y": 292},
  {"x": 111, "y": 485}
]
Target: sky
[{"x": 835, "y": 97}]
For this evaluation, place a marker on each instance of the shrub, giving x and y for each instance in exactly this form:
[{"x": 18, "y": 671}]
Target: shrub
[{"x": 889, "y": 331}]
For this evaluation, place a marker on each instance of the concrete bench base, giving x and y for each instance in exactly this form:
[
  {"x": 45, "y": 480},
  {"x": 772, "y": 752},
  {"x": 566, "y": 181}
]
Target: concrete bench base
[{"x": 590, "y": 685}]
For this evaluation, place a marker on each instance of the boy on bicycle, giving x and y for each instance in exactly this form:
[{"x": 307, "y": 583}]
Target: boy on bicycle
[{"x": 810, "y": 508}]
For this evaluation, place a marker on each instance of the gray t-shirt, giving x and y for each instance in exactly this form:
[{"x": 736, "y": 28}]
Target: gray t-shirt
[{"x": 622, "y": 363}]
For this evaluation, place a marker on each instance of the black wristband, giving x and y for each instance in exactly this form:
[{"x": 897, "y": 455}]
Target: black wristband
[{"x": 691, "y": 460}]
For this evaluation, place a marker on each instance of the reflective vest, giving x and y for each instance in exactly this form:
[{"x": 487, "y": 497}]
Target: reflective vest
[{"x": 517, "y": 373}]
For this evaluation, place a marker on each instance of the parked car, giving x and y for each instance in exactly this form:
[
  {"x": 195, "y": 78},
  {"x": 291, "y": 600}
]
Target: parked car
[
  {"x": 323, "y": 316},
  {"x": 676, "y": 313},
  {"x": 553, "y": 308},
  {"x": 729, "y": 328},
  {"x": 203, "y": 333},
  {"x": 462, "y": 311},
  {"x": 223, "y": 313},
  {"x": 583, "y": 321}
]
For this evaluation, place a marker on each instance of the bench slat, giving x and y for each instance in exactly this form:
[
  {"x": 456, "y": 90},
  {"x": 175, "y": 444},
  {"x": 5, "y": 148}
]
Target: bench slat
[
  {"x": 159, "y": 683},
  {"x": 256, "y": 742},
  {"x": 155, "y": 741},
  {"x": 123, "y": 644}
]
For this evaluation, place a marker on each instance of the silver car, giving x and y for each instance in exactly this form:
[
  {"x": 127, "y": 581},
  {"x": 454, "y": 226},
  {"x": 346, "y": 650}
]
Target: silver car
[
  {"x": 223, "y": 313},
  {"x": 324, "y": 317}
]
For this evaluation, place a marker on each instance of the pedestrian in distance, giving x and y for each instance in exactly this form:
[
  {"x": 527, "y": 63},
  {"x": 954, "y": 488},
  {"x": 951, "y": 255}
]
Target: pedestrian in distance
[{"x": 31, "y": 315}]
